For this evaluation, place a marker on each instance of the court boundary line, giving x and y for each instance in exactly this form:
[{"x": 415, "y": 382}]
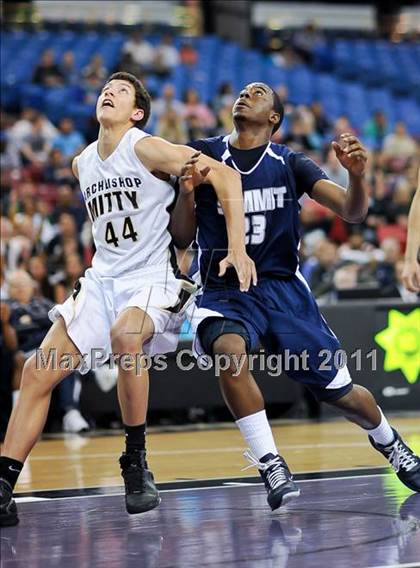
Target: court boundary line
[
  {"x": 218, "y": 426},
  {"x": 193, "y": 451},
  {"x": 227, "y": 483},
  {"x": 202, "y": 482}
]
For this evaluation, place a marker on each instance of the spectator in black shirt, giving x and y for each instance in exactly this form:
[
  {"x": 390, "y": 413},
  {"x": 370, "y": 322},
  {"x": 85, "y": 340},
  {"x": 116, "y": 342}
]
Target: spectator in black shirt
[
  {"x": 385, "y": 270},
  {"x": 322, "y": 124},
  {"x": 29, "y": 318},
  {"x": 29, "y": 313},
  {"x": 8, "y": 345},
  {"x": 57, "y": 169},
  {"x": 299, "y": 138},
  {"x": 322, "y": 276},
  {"x": 47, "y": 72},
  {"x": 73, "y": 270},
  {"x": 38, "y": 270},
  {"x": 69, "y": 202},
  {"x": 66, "y": 242}
]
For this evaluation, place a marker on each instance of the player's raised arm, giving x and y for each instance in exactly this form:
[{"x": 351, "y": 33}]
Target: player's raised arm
[
  {"x": 351, "y": 203},
  {"x": 411, "y": 271},
  {"x": 157, "y": 154}
]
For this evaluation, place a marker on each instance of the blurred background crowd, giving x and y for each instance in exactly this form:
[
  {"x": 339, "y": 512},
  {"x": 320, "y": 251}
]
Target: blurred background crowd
[
  {"x": 45, "y": 230},
  {"x": 46, "y": 241}
]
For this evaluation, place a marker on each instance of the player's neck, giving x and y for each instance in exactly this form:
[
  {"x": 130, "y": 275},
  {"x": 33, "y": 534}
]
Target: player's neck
[
  {"x": 109, "y": 137},
  {"x": 249, "y": 138}
]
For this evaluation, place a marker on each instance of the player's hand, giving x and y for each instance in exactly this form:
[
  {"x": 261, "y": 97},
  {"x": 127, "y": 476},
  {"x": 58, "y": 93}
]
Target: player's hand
[
  {"x": 351, "y": 154},
  {"x": 411, "y": 275},
  {"x": 191, "y": 176},
  {"x": 4, "y": 313},
  {"x": 244, "y": 266}
]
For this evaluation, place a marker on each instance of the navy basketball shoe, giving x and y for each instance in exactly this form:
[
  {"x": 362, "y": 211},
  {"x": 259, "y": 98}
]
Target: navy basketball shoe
[
  {"x": 277, "y": 478},
  {"x": 8, "y": 509},
  {"x": 402, "y": 459},
  {"x": 141, "y": 494}
]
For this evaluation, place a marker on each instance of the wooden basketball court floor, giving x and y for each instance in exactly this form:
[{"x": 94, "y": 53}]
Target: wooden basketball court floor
[{"x": 352, "y": 511}]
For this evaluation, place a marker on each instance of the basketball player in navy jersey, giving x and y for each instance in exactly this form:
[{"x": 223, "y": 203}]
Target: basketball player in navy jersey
[
  {"x": 129, "y": 302},
  {"x": 280, "y": 311}
]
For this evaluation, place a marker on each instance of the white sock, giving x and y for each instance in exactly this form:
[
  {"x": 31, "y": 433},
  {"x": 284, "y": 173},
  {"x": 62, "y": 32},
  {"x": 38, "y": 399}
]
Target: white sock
[
  {"x": 15, "y": 396},
  {"x": 383, "y": 433},
  {"x": 257, "y": 433}
]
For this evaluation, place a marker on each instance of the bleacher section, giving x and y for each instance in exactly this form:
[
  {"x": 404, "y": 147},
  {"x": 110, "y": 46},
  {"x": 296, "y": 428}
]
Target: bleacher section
[{"x": 352, "y": 77}]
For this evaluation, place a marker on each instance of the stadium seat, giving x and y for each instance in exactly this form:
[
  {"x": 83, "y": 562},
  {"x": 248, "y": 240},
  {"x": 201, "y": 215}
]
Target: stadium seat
[{"x": 354, "y": 77}]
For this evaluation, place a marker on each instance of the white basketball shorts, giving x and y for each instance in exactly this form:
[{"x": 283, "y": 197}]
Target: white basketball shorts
[{"x": 97, "y": 302}]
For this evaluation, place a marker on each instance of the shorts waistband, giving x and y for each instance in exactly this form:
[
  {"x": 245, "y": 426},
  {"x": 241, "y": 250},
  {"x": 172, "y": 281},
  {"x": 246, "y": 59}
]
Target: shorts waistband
[{"x": 150, "y": 269}]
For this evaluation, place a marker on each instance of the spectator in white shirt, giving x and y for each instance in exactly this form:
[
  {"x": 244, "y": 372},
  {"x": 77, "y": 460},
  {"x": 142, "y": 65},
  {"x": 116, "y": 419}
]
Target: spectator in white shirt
[
  {"x": 22, "y": 128},
  {"x": 167, "y": 101},
  {"x": 142, "y": 52},
  {"x": 399, "y": 144},
  {"x": 166, "y": 57}
]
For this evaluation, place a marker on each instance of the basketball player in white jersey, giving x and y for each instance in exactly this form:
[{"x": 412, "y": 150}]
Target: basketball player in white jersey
[{"x": 129, "y": 302}]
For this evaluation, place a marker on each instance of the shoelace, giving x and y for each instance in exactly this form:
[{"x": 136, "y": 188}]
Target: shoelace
[
  {"x": 277, "y": 476},
  {"x": 402, "y": 457}
]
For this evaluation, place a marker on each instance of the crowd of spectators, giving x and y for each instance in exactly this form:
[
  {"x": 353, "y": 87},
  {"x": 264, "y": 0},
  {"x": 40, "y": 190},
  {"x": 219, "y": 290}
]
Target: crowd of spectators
[{"x": 46, "y": 240}]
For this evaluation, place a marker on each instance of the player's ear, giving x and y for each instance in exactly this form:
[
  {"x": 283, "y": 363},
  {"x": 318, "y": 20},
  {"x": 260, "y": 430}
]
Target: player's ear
[
  {"x": 137, "y": 115},
  {"x": 274, "y": 118}
]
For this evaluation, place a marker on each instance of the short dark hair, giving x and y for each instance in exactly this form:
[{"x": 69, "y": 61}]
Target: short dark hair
[
  {"x": 277, "y": 107},
  {"x": 142, "y": 97}
]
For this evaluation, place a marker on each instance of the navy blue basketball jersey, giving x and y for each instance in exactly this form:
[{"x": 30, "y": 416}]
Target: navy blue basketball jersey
[{"x": 272, "y": 184}]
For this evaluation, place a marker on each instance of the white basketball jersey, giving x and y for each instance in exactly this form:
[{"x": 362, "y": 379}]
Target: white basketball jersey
[{"x": 127, "y": 206}]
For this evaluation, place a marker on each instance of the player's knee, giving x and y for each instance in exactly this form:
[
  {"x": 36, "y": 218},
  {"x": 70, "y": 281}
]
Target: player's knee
[
  {"x": 351, "y": 401},
  {"x": 228, "y": 344},
  {"x": 231, "y": 352},
  {"x": 125, "y": 341},
  {"x": 37, "y": 379}
]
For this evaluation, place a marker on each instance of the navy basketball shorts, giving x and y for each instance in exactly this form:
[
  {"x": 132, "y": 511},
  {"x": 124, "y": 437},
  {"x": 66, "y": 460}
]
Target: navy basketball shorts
[{"x": 282, "y": 316}]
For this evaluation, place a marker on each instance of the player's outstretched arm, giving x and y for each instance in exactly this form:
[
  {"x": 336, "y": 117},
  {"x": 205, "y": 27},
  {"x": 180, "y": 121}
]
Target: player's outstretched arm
[
  {"x": 350, "y": 204},
  {"x": 157, "y": 154},
  {"x": 411, "y": 271}
]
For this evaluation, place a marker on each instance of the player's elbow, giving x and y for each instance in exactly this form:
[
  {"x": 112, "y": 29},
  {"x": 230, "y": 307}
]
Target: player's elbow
[
  {"x": 355, "y": 213},
  {"x": 355, "y": 217}
]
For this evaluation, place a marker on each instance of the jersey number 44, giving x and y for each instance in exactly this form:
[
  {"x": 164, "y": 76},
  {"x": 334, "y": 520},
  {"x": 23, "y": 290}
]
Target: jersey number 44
[{"x": 128, "y": 232}]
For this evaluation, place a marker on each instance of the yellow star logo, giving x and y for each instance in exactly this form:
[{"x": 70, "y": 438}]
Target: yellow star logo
[{"x": 401, "y": 343}]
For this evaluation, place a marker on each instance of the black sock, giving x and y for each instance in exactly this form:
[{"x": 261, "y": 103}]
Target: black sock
[
  {"x": 10, "y": 470},
  {"x": 135, "y": 438}
]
